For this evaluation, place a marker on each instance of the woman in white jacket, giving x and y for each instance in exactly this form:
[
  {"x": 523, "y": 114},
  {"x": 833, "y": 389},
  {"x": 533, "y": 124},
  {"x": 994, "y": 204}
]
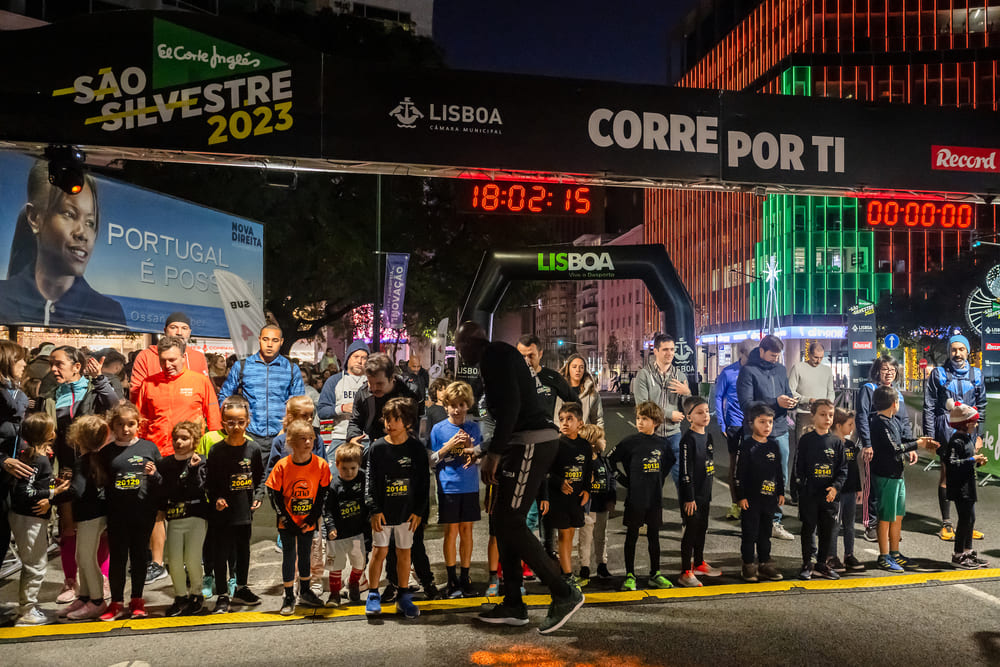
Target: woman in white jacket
[{"x": 579, "y": 378}]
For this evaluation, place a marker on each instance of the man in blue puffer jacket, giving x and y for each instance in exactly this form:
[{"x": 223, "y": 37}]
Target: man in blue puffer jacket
[
  {"x": 961, "y": 381},
  {"x": 730, "y": 416}
]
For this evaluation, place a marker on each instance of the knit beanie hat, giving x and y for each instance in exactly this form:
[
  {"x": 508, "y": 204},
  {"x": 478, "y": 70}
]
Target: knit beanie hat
[{"x": 959, "y": 413}]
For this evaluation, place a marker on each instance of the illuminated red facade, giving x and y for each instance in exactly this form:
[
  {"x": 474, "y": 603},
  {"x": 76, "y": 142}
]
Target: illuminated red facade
[{"x": 932, "y": 52}]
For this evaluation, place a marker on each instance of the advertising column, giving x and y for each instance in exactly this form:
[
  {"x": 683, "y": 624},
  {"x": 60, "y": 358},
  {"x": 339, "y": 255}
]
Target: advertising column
[{"x": 861, "y": 346}]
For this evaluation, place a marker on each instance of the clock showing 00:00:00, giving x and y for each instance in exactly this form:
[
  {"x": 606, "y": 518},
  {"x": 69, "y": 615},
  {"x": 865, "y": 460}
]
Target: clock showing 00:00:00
[{"x": 926, "y": 214}]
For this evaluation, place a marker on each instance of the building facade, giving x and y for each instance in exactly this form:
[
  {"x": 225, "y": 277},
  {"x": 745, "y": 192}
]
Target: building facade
[{"x": 825, "y": 254}]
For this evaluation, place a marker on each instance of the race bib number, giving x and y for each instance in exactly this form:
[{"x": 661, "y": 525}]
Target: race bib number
[
  {"x": 822, "y": 471},
  {"x": 397, "y": 488},
  {"x": 768, "y": 487},
  {"x": 176, "y": 510},
  {"x": 301, "y": 506},
  {"x": 710, "y": 468},
  {"x": 849, "y": 453},
  {"x": 350, "y": 509},
  {"x": 573, "y": 474},
  {"x": 241, "y": 481},
  {"x": 128, "y": 481},
  {"x": 651, "y": 465}
]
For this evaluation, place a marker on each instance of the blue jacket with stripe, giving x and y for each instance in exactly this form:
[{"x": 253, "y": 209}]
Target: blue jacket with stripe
[{"x": 946, "y": 382}]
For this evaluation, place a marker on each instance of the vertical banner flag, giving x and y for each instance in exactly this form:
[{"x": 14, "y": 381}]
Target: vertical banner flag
[
  {"x": 438, "y": 351},
  {"x": 244, "y": 314},
  {"x": 396, "y": 264},
  {"x": 861, "y": 341}
]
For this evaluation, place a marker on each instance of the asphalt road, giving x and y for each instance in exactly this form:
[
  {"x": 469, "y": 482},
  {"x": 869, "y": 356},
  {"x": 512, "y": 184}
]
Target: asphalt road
[{"x": 915, "y": 625}]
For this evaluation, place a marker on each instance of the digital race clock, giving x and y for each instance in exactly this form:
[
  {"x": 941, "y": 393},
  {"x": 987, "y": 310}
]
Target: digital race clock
[
  {"x": 532, "y": 198},
  {"x": 920, "y": 214}
]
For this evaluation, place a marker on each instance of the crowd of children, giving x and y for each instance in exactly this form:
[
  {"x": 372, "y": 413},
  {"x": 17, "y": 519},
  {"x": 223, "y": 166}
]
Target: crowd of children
[{"x": 368, "y": 510}]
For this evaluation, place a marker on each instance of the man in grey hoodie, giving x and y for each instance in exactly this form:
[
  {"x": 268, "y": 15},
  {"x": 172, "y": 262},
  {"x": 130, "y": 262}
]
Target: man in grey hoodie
[
  {"x": 337, "y": 398},
  {"x": 663, "y": 383}
]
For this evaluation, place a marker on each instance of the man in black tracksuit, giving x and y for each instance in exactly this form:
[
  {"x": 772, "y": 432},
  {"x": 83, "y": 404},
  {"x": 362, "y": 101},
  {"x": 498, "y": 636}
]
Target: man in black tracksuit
[
  {"x": 517, "y": 459},
  {"x": 820, "y": 471}
]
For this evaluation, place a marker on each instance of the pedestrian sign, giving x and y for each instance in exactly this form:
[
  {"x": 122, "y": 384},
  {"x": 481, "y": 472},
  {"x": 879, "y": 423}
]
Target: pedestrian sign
[{"x": 891, "y": 342}]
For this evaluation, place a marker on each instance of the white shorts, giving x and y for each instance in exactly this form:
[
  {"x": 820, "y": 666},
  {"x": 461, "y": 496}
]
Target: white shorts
[
  {"x": 339, "y": 552},
  {"x": 404, "y": 536}
]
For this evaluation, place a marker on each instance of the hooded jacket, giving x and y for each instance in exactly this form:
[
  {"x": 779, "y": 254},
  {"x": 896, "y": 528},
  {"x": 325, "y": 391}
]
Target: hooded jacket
[
  {"x": 338, "y": 392},
  {"x": 651, "y": 385},
  {"x": 947, "y": 381},
  {"x": 762, "y": 381},
  {"x": 590, "y": 400},
  {"x": 366, "y": 419},
  {"x": 727, "y": 403}
]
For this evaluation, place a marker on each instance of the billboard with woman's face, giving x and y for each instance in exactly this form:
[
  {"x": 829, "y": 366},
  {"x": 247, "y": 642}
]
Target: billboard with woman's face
[{"x": 115, "y": 256}]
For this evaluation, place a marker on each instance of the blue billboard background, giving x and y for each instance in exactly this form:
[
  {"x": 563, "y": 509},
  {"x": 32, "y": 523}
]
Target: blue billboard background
[{"x": 154, "y": 254}]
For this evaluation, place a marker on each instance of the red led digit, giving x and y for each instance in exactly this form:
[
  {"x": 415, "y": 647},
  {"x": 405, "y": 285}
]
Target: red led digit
[
  {"x": 948, "y": 216},
  {"x": 874, "y": 212},
  {"x": 475, "y": 196},
  {"x": 569, "y": 193},
  {"x": 964, "y": 216},
  {"x": 928, "y": 212},
  {"x": 534, "y": 202},
  {"x": 580, "y": 195},
  {"x": 491, "y": 197},
  {"x": 515, "y": 198},
  {"x": 891, "y": 213},
  {"x": 911, "y": 214}
]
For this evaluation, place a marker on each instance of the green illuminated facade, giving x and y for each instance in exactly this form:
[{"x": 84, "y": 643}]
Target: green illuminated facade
[{"x": 826, "y": 262}]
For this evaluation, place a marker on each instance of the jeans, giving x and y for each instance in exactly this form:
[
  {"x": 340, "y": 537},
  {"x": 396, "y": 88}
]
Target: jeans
[
  {"x": 783, "y": 448},
  {"x": 675, "y": 446}
]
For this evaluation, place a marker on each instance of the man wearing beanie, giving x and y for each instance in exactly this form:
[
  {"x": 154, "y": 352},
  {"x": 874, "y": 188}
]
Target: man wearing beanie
[
  {"x": 148, "y": 361},
  {"x": 336, "y": 401},
  {"x": 958, "y": 380}
]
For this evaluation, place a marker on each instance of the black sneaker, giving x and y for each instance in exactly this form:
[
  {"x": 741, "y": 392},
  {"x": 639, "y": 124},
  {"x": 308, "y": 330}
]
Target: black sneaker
[
  {"x": 561, "y": 610},
  {"x": 602, "y": 571},
  {"x": 807, "y": 572},
  {"x": 221, "y": 605},
  {"x": 964, "y": 561},
  {"x": 466, "y": 586},
  {"x": 853, "y": 564},
  {"x": 981, "y": 562},
  {"x": 871, "y": 534},
  {"x": 430, "y": 591},
  {"x": 154, "y": 572},
  {"x": 452, "y": 591},
  {"x": 389, "y": 595},
  {"x": 177, "y": 608},
  {"x": 194, "y": 605},
  {"x": 834, "y": 563},
  {"x": 825, "y": 571},
  {"x": 287, "y": 606},
  {"x": 245, "y": 596},
  {"x": 308, "y": 598},
  {"x": 503, "y": 614},
  {"x": 334, "y": 599},
  {"x": 354, "y": 591}
]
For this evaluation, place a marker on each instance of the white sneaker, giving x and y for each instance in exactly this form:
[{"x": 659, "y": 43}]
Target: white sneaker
[
  {"x": 34, "y": 616},
  {"x": 778, "y": 532},
  {"x": 90, "y": 610},
  {"x": 688, "y": 580}
]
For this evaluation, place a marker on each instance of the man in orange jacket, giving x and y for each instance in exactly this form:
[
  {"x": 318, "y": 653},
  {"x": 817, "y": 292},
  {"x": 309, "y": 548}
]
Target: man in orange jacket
[
  {"x": 173, "y": 395},
  {"x": 147, "y": 362}
]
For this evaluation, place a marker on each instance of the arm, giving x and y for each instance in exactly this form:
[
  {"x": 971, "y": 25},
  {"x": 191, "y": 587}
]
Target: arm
[
  {"x": 359, "y": 416},
  {"x": 640, "y": 386},
  {"x": 231, "y": 384},
  {"x": 105, "y": 397},
  {"x": 327, "y": 407},
  {"x": 374, "y": 484},
  {"x": 793, "y": 383},
  {"x": 317, "y": 509},
  {"x": 562, "y": 388},
  {"x": 210, "y": 407},
  {"x": 686, "y": 479},
  {"x": 501, "y": 382},
  {"x": 742, "y": 477},
  {"x": 930, "y": 402},
  {"x": 744, "y": 389},
  {"x": 278, "y": 502},
  {"x": 720, "y": 400},
  {"x": 780, "y": 490},
  {"x": 257, "y": 475},
  {"x": 981, "y": 401},
  {"x": 839, "y": 468},
  {"x": 597, "y": 412},
  {"x": 830, "y": 395},
  {"x": 140, "y": 371},
  {"x": 862, "y": 409},
  {"x": 423, "y": 485},
  {"x": 298, "y": 387}
]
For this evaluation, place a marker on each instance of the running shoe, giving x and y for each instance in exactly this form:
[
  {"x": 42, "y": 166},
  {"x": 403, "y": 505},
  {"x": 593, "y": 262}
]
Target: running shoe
[
  {"x": 779, "y": 532},
  {"x": 208, "y": 586},
  {"x": 871, "y": 534},
  {"x": 825, "y": 571},
  {"x": 888, "y": 564},
  {"x": 707, "y": 570},
  {"x": 963, "y": 562},
  {"x": 769, "y": 572},
  {"x": 982, "y": 562},
  {"x": 453, "y": 592},
  {"x": 231, "y": 586},
  {"x": 527, "y": 574},
  {"x": 405, "y": 606},
  {"x": 806, "y": 573},
  {"x": 308, "y": 598},
  {"x": 584, "y": 577},
  {"x": 154, "y": 572},
  {"x": 903, "y": 561},
  {"x": 749, "y": 573},
  {"x": 195, "y": 605},
  {"x": 629, "y": 584},
  {"x": 504, "y": 614},
  {"x": 221, "y": 605},
  {"x": 493, "y": 589},
  {"x": 602, "y": 571},
  {"x": 247, "y": 597},
  {"x": 560, "y": 611},
  {"x": 976, "y": 535},
  {"x": 688, "y": 580},
  {"x": 658, "y": 581},
  {"x": 74, "y": 606},
  {"x": 466, "y": 586},
  {"x": 34, "y": 616},
  {"x": 177, "y": 608},
  {"x": 115, "y": 612},
  {"x": 137, "y": 607},
  {"x": 354, "y": 591},
  {"x": 334, "y": 599},
  {"x": 287, "y": 606},
  {"x": 836, "y": 565},
  {"x": 853, "y": 564},
  {"x": 373, "y": 606},
  {"x": 947, "y": 533},
  {"x": 68, "y": 592},
  {"x": 389, "y": 594}
]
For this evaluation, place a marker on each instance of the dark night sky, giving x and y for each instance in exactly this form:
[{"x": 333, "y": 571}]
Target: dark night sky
[{"x": 623, "y": 40}]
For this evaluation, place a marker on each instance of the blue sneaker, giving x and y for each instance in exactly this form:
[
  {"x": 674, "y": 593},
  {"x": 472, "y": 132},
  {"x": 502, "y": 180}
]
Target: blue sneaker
[
  {"x": 405, "y": 606},
  {"x": 232, "y": 587},
  {"x": 889, "y": 564},
  {"x": 208, "y": 586},
  {"x": 373, "y": 607}
]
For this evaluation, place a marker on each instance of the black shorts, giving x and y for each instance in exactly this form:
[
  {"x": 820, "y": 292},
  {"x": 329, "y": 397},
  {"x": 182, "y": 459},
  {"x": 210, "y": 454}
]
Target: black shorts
[
  {"x": 649, "y": 516},
  {"x": 458, "y": 507},
  {"x": 564, "y": 516}
]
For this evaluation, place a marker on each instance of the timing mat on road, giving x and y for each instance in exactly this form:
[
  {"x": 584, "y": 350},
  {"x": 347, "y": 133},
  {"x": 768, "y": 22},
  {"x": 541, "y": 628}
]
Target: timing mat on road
[{"x": 357, "y": 612}]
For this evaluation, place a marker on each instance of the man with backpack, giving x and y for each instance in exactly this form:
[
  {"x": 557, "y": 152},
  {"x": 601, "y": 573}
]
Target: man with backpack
[{"x": 266, "y": 379}]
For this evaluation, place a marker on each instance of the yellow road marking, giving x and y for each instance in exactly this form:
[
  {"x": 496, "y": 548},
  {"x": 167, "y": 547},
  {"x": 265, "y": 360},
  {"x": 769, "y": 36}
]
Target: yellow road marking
[{"x": 472, "y": 604}]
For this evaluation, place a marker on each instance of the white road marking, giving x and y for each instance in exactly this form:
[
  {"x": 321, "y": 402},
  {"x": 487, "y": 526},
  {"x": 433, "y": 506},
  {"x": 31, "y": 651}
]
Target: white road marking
[
  {"x": 975, "y": 592},
  {"x": 721, "y": 482},
  {"x": 873, "y": 552}
]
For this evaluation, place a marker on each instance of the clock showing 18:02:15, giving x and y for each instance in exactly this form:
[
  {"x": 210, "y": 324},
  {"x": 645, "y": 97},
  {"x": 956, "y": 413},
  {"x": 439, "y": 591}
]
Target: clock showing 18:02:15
[{"x": 512, "y": 198}]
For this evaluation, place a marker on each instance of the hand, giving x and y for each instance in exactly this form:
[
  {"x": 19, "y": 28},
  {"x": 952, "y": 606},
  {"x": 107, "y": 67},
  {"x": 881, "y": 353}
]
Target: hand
[
  {"x": 356, "y": 440},
  {"x": 679, "y": 387},
  {"x": 307, "y": 528},
  {"x": 161, "y": 516},
  {"x": 378, "y": 522},
  {"x": 676, "y": 417},
  {"x": 150, "y": 468},
  {"x": 913, "y": 457},
  {"x": 566, "y": 488},
  {"x": 195, "y": 459},
  {"x": 781, "y": 500},
  {"x": 867, "y": 453},
  {"x": 331, "y": 534},
  {"x": 62, "y": 486},
  {"x": 221, "y": 504},
  {"x": 488, "y": 468},
  {"x": 543, "y": 507},
  {"x": 42, "y": 506},
  {"x": 981, "y": 460},
  {"x": 585, "y": 498},
  {"x": 744, "y": 504},
  {"x": 787, "y": 401},
  {"x": 831, "y": 494},
  {"x": 689, "y": 508},
  {"x": 94, "y": 367},
  {"x": 254, "y": 506},
  {"x": 347, "y": 408},
  {"x": 414, "y": 522},
  {"x": 17, "y": 468},
  {"x": 927, "y": 442},
  {"x": 979, "y": 443}
]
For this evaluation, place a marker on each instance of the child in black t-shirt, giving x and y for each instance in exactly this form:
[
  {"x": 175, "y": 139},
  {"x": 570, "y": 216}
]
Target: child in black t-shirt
[
  {"x": 235, "y": 486},
  {"x": 594, "y": 534},
  {"x": 345, "y": 516},
  {"x": 397, "y": 487},
  {"x": 184, "y": 505},
  {"x": 960, "y": 456},
  {"x": 697, "y": 472},
  {"x": 850, "y": 493},
  {"x": 820, "y": 472},
  {"x": 569, "y": 483},
  {"x": 760, "y": 490},
  {"x": 643, "y": 460},
  {"x": 31, "y": 500}
]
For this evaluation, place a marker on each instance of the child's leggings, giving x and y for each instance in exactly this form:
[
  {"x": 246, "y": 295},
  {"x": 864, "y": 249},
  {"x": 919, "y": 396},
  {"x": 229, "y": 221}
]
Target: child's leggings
[
  {"x": 91, "y": 557},
  {"x": 227, "y": 539},
  {"x": 653, "y": 546},
  {"x": 693, "y": 540},
  {"x": 128, "y": 539},
  {"x": 966, "y": 522},
  {"x": 185, "y": 538}
]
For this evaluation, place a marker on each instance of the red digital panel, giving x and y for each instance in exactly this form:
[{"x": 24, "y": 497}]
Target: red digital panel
[
  {"x": 530, "y": 198},
  {"x": 919, "y": 214}
]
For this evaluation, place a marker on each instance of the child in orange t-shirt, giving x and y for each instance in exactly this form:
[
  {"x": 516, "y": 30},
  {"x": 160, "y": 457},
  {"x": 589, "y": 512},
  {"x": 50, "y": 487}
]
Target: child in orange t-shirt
[{"x": 298, "y": 485}]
